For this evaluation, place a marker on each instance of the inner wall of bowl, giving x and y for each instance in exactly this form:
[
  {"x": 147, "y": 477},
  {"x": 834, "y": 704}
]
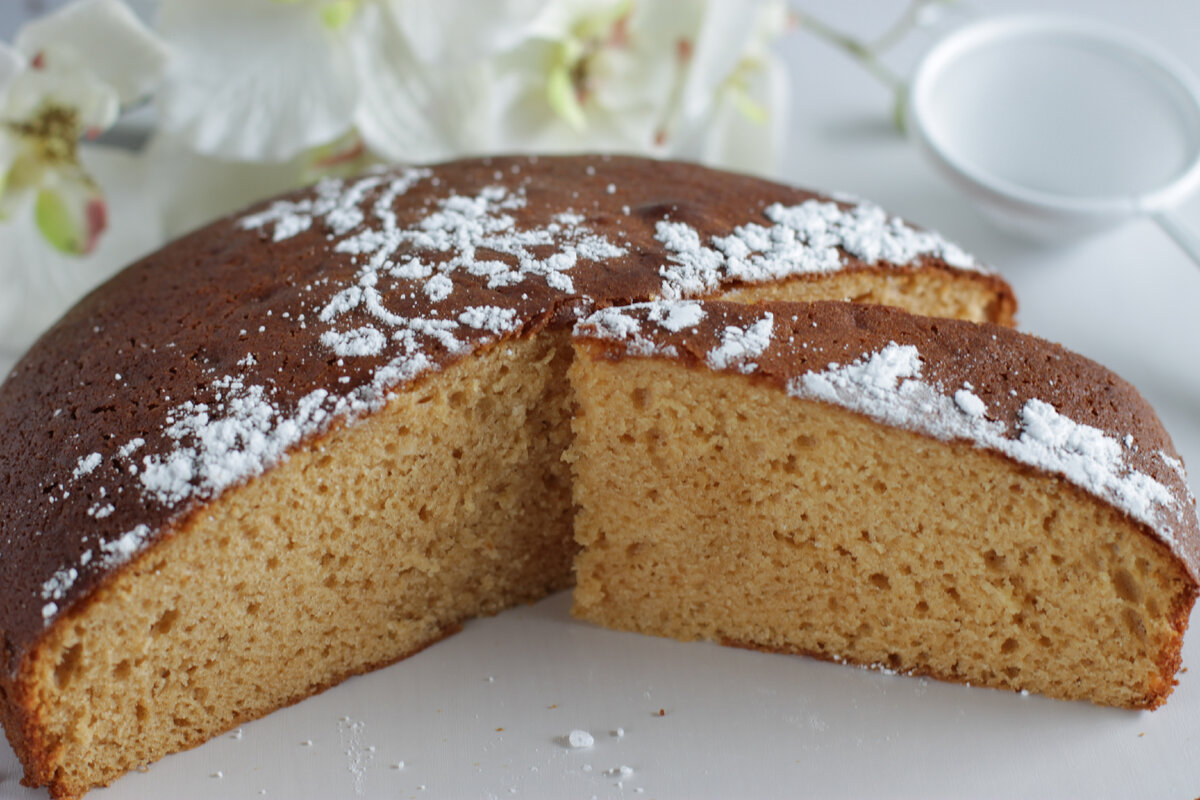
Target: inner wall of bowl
[{"x": 1064, "y": 116}]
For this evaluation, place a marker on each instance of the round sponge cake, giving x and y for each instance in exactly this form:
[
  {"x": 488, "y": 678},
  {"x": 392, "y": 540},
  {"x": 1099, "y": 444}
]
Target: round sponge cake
[{"x": 313, "y": 438}]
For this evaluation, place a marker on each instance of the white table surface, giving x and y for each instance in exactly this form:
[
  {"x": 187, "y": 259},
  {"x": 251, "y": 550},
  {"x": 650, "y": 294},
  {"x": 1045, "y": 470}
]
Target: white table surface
[{"x": 745, "y": 724}]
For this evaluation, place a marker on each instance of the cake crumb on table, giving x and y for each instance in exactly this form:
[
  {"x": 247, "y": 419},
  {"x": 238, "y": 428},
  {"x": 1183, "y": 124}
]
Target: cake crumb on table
[{"x": 580, "y": 739}]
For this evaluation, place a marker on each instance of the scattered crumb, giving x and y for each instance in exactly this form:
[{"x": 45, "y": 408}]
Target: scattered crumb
[
  {"x": 499, "y": 729},
  {"x": 618, "y": 733},
  {"x": 662, "y": 712},
  {"x": 218, "y": 774},
  {"x": 307, "y": 743},
  {"x": 398, "y": 765},
  {"x": 578, "y": 738}
]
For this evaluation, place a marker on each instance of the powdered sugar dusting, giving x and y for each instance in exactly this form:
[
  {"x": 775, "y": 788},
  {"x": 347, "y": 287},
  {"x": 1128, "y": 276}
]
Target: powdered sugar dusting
[
  {"x": 676, "y": 316},
  {"x": 471, "y": 228},
  {"x": 219, "y": 446},
  {"x": 622, "y": 323},
  {"x": 59, "y": 583},
  {"x": 87, "y": 465},
  {"x": 739, "y": 345},
  {"x": 358, "y": 755},
  {"x": 610, "y": 323},
  {"x": 336, "y": 203},
  {"x": 490, "y": 318},
  {"x": 969, "y": 403},
  {"x": 124, "y": 547},
  {"x": 804, "y": 238},
  {"x": 363, "y": 341}
]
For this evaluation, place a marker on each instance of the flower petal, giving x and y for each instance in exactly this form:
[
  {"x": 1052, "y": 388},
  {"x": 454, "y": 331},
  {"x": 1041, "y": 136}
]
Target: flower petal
[
  {"x": 69, "y": 86},
  {"x": 344, "y": 157},
  {"x": 106, "y": 37},
  {"x": 70, "y": 210},
  {"x": 411, "y": 112},
  {"x": 450, "y": 31},
  {"x": 719, "y": 41},
  {"x": 212, "y": 187},
  {"x": 253, "y": 80},
  {"x": 731, "y": 138},
  {"x": 40, "y": 283},
  {"x": 12, "y": 63}
]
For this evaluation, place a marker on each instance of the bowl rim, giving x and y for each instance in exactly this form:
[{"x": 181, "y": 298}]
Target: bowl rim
[{"x": 1006, "y": 29}]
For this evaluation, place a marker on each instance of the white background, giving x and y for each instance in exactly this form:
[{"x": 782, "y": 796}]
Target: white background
[{"x": 744, "y": 724}]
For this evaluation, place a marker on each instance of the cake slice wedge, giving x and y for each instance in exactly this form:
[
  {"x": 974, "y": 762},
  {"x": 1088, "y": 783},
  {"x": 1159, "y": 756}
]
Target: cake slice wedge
[{"x": 865, "y": 485}]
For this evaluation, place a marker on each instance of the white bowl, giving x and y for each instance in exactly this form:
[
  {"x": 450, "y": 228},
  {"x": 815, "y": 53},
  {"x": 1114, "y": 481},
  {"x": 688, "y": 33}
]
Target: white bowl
[{"x": 1058, "y": 127}]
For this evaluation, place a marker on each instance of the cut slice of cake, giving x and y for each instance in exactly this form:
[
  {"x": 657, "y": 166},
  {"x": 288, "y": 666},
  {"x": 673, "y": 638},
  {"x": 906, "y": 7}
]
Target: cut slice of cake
[{"x": 864, "y": 485}]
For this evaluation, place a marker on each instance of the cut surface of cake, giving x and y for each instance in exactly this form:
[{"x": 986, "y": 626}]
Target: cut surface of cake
[
  {"x": 865, "y": 485},
  {"x": 313, "y": 438}
]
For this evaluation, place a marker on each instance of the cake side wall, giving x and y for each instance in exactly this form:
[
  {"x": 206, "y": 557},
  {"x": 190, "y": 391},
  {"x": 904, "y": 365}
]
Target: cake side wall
[{"x": 926, "y": 291}]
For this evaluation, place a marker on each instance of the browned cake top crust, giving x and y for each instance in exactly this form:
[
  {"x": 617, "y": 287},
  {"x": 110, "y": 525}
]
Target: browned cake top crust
[
  {"x": 1031, "y": 400},
  {"x": 203, "y": 364}
]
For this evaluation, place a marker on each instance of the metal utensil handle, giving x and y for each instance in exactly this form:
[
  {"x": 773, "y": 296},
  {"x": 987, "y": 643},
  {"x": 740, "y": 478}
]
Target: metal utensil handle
[{"x": 1183, "y": 234}]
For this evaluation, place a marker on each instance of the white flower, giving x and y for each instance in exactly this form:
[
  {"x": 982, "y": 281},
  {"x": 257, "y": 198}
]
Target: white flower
[
  {"x": 266, "y": 80},
  {"x": 67, "y": 76},
  {"x": 191, "y": 189},
  {"x": 426, "y": 80},
  {"x": 257, "y": 80},
  {"x": 734, "y": 115},
  {"x": 414, "y": 111},
  {"x": 648, "y": 77},
  {"x": 38, "y": 283},
  {"x": 448, "y": 32}
]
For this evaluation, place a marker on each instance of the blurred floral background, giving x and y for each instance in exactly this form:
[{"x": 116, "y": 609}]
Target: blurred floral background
[{"x": 125, "y": 123}]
